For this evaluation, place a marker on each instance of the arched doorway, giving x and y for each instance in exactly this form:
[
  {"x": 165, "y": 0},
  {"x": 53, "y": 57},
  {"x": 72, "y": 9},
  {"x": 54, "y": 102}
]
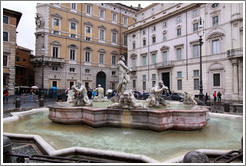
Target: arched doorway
[{"x": 101, "y": 79}]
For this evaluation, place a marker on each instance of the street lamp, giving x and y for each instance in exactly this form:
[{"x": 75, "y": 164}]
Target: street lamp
[
  {"x": 41, "y": 101},
  {"x": 200, "y": 33}
]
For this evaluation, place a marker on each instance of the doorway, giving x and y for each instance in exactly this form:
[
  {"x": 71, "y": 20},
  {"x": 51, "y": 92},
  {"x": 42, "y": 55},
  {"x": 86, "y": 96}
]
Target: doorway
[
  {"x": 101, "y": 79},
  {"x": 166, "y": 79}
]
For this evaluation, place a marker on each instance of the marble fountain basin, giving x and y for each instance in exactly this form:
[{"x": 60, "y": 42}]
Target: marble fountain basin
[{"x": 175, "y": 116}]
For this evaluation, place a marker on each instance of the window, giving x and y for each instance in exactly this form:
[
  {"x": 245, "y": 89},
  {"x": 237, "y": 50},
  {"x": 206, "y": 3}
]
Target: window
[
  {"x": 153, "y": 58},
  {"x": 179, "y": 32},
  {"x": 164, "y": 36},
  {"x": 144, "y": 77},
  {"x": 5, "y": 60},
  {"x": 133, "y": 62},
  {"x": 87, "y": 56},
  {"x": 178, "y": 19},
  {"x": 125, "y": 20},
  {"x": 101, "y": 58},
  {"x": 144, "y": 32},
  {"x": 179, "y": 56},
  {"x": 88, "y": 39},
  {"x": 73, "y": 6},
  {"x": 144, "y": 42},
  {"x": 133, "y": 45},
  {"x": 72, "y": 54},
  {"x": 88, "y": 9},
  {"x": 56, "y": 32},
  {"x": 113, "y": 60},
  {"x": 56, "y": 22},
  {"x": 216, "y": 47},
  {"x": 54, "y": 68},
  {"x": 113, "y": 85},
  {"x": 102, "y": 34},
  {"x": 5, "y": 36},
  {"x": 153, "y": 76},
  {"x": 134, "y": 83},
  {"x": 196, "y": 73},
  {"x": 114, "y": 17},
  {"x": 164, "y": 24},
  {"x": 17, "y": 59},
  {"x": 215, "y": 20},
  {"x": 195, "y": 27},
  {"x": 153, "y": 39},
  {"x": 54, "y": 83},
  {"x": 87, "y": 29},
  {"x": 113, "y": 73},
  {"x": 153, "y": 29},
  {"x": 195, "y": 13},
  {"x": 179, "y": 74},
  {"x": 71, "y": 83},
  {"x": 195, "y": 51},
  {"x": 196, "y": 84},
  {"x": 153, "y": 83},
  {"x": 144, "y": 61},
  {"x": 72, "y": 69},
  {"x": 165, "y": 58},
  {"x": 73, "y": 26},
  {"x": 114, "y": 37},
  {"x": 102, "y": 13},
  {"x": 179, "y": 84},
  {"x": 87, "y": 71},
  {"x": 216, "y": 78},
  {"x": 125, "y": 40},
  {"x": 5, "y": 19},
  {"x": 144, "y": 85},
  {"x": 24, "y": 60},
  {"x": 215, "y": 5},
  {"x": 55, "y": 52}
]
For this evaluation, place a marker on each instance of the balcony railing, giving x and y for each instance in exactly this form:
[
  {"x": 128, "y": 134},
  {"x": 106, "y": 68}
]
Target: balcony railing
[
  {"x": 38, "y": 59},
  {"x": 164, "y": 64}
]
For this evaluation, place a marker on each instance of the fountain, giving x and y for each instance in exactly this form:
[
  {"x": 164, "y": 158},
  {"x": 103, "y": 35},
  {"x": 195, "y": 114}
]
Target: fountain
[{"x": 157, "y": 115}]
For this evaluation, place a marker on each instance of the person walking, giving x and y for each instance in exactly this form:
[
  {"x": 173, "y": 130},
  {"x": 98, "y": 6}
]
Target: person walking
[
  {"x": 31, "y": 95},
  {"x": 214, "y": 96},
  {"x": 59, "y": 97},
  {"x": 219, "y": 96},
  {"x": 5, "y": 96},
  {"x": 206, "y": 98}
]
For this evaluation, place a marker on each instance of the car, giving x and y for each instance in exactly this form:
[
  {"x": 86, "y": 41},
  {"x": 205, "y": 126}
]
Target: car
[
  {"x": 137, "y": 94},
  {"x": 177, "y": 96},
  {"x": 145, "y": 95}
]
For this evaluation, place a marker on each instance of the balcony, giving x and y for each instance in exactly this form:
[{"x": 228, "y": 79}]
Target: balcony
[
  {"x": 163, "y": 65},
  {"x": 235, "y": 53},
  {"x": 48, "y": 60}
]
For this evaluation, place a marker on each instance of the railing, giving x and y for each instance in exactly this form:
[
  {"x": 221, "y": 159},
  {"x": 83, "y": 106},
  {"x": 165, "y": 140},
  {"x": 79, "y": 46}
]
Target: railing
[
  {"x": 165, "y": 64},
  {"x": 47, "y": 59}
]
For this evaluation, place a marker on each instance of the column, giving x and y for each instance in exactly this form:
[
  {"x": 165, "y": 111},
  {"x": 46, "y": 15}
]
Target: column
[{"x": 235, "y": 76}]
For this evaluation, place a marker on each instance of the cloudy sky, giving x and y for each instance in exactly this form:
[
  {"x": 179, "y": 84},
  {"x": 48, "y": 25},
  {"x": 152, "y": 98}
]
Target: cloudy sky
[{"x": 26, "y": 27}]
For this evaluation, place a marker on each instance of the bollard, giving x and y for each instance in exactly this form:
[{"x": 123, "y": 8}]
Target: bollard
[
  {"x": 226, "y": 107},
  {"x": 17, "y": 102},
  {"x": 41, "y": 102},
  {"x": 7, "y": 149}
]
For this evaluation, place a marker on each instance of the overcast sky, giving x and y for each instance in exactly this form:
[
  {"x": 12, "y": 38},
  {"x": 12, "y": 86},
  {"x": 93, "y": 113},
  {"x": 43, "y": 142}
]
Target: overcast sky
[{"x": 26, "y": 26}]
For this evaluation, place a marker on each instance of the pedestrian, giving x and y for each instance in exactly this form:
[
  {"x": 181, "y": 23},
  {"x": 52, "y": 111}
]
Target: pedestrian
[
  {"x": 59, "y": 97},
  {"x": 219, "y": 96},
  {"x": 5, "y": 96},
  {"x": 214, "y": 96},
  {"x": 206, "y": 98},
  {"x": 31, "y": 95}
]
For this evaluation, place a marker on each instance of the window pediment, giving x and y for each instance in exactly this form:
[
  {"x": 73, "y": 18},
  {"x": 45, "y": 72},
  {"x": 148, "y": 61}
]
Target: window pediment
[
  {"x": 55, "y": 43},
  {"x": 88, "y": 49},
  {"x": 114, "y": 53},
  {"x": 102, "y": 27},
  {"x": 88, "y": 23},
  {"x": 73, "y": 46},
  {"x": 133, "y": 55},
  {"x": 215, "y": 35},
  {"x": 216, "y": 66},
  {"x": 73, "y": 20},
  {"x": 114, "y": 30},
  {"x": 101, "y": 50},
  {"x": 179, "y": 45},
  {"x": 56, "y": 15},
  {"x": 164, "y": 48}
]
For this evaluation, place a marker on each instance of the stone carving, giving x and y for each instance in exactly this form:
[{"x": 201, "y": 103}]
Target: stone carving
[
  {"x": 127, "y": 100},
  {"x": 78, "y": 95},
  {"x": 155, "y": 99},
  {"x": 195, "y": 157},
  {"x": 100, "y": 96},
  {"x": 124, "y": 98},
  {"x": 189, "y": 99},
  {"x": 39, "y": 21}
]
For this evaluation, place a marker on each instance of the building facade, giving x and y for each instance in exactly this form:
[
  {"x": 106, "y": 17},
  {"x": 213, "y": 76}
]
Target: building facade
[
  {"x": 164, "y": 45},
  {"x": 80, "y": 41},
  {"x": 24, "y": 72},
  {"x": 10, "y": 22}
]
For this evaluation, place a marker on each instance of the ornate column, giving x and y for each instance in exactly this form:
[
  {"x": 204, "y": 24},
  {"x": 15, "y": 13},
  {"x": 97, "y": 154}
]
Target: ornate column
[{"x": 235, "y": 75}]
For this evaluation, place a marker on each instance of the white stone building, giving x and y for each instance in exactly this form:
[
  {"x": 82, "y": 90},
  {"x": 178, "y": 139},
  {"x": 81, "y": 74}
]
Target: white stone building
[{"x": 164, "y": 45}]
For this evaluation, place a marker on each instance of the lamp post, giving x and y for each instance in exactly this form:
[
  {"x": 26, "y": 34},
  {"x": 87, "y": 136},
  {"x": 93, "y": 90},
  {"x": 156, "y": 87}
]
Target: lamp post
[
  {"x": 41, "y": 101},
  {"x": 200, "y": 33}
]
